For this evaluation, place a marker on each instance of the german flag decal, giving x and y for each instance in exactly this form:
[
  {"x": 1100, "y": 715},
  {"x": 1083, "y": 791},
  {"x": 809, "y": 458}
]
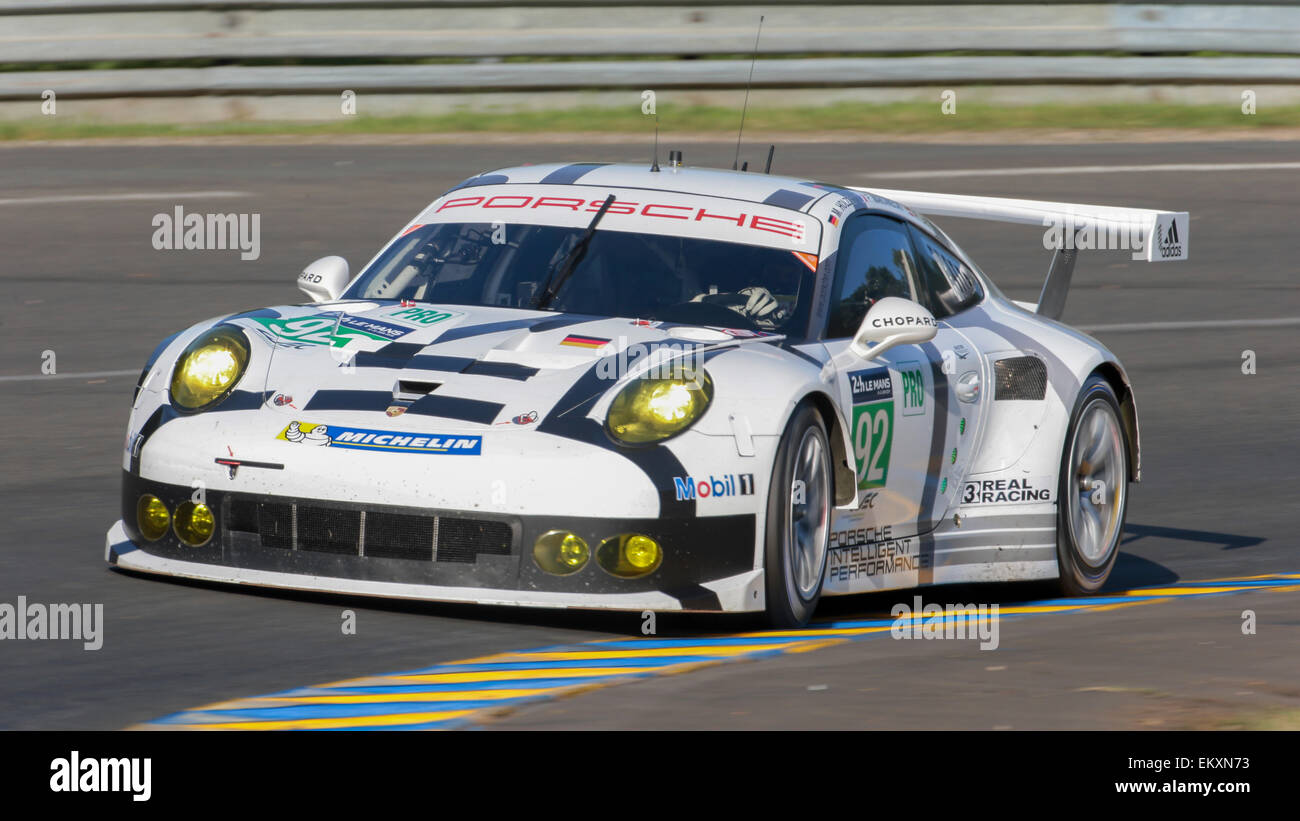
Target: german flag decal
[{"x": 578, "y": 341}]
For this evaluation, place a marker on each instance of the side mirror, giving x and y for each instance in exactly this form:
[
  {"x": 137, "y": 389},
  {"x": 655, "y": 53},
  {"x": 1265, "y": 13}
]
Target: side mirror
[
  {"x": 324, "y": 279},
  {"x": 893, "y": 321}
]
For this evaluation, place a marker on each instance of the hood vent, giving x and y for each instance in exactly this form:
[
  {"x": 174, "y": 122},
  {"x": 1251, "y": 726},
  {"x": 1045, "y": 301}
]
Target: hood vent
[{"x": 407, "y": 391}]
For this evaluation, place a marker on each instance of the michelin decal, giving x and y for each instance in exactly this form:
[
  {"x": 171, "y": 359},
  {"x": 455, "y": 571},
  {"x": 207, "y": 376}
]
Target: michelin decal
[{"x": 337, "y": 436}]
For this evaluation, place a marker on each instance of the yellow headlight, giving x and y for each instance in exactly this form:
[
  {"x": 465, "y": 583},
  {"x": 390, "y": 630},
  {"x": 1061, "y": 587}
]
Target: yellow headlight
[
  {"x": 560, "y": 552},
  {"x": 194, "y": 523},
  {"x": 151, "y": 517},
  {"x": 629, "y": 555},
  {"x": 648, "y": 409},
  {"x": 209, "y": 367}
]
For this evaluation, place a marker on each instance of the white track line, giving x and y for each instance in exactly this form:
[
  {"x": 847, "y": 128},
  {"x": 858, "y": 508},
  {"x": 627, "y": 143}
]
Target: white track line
[
  {"x": 142, "y": 195},
  {"x": 91, "y": 375},
  {"x": 1202, "y": 325},
  {"x": 1080, "y": 169}
]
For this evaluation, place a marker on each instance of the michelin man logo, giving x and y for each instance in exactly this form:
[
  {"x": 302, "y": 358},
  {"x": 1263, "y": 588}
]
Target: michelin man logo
[{"x": 308, "y": 434}]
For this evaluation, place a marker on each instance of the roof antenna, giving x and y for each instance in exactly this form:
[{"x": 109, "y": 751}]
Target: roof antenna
[
  {"x": 745, "y": 110},
  {"x": 767, "y": 169},
  {"x": 654, "y": 164}
]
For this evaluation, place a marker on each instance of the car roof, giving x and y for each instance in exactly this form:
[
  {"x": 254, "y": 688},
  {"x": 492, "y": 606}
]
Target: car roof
[{"x": 784, "y": 192}]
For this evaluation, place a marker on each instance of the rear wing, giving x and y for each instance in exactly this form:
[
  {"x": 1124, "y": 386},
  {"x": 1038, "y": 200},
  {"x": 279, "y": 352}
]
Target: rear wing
[{"x": 1153, "y": 236}]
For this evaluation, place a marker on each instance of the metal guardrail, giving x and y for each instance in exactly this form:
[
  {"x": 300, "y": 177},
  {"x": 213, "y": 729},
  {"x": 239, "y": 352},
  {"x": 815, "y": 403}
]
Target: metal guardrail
[
  {"x": 471, "y": 35},
  {"x": 695, "y": 74}
]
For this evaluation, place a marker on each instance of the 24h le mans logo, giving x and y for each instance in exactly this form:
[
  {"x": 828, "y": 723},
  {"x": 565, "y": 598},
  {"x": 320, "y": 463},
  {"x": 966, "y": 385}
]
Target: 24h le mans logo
[
  {"x": 337, "y": 331},
  {"x": 873, "y": 424},
  {"x": 318, "y": 330}
]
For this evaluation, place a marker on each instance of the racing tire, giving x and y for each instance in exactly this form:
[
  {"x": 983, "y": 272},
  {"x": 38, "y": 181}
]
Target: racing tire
[
  {"x": 798, "y": 520},
  {"x": 1093, "y": 490}
]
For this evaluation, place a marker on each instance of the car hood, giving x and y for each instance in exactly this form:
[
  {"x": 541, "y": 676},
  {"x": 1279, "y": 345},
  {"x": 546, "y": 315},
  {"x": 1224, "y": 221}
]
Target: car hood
[{"x": 449, "y": 366}]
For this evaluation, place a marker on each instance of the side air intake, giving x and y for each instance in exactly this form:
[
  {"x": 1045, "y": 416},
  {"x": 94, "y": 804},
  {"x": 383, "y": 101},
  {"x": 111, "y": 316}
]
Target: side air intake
[{"x": 1020, "y": 377}]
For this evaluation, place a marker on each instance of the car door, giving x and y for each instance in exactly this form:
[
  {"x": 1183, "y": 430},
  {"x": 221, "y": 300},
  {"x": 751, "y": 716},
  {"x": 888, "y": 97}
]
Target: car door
[
  {"x": 904, "y": 434},
  {"x": 947, "y": 288}
]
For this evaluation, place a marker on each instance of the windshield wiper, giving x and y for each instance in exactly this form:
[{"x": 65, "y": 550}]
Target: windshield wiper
[{"x": 571, "y": 260}]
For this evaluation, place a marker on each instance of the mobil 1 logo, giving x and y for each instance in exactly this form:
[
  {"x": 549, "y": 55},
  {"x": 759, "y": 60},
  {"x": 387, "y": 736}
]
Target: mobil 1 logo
[{"x": 873, "y": 424}]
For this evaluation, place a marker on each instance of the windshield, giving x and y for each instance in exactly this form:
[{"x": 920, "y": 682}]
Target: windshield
[{"x": 624, "y": 274}]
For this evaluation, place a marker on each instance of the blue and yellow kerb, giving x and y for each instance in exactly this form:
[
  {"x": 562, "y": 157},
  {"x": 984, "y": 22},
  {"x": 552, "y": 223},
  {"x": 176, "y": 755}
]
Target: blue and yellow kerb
[{"x": 461, "y": 693}]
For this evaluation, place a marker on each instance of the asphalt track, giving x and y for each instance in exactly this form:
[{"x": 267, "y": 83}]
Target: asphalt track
[{"x": 1219, "y": 449}]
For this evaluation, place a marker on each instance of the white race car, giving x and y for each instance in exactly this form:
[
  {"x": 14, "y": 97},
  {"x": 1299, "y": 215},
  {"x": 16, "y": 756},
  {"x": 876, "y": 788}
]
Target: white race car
[{"x": 612, "y": 386}]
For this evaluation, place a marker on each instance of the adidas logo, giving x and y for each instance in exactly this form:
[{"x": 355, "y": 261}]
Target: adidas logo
[{"x": 1170, "y": 244}]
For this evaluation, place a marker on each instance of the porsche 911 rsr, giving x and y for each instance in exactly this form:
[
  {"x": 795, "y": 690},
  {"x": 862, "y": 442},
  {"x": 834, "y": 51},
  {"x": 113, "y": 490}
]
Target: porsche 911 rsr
[{"x": 607, "y": 386}]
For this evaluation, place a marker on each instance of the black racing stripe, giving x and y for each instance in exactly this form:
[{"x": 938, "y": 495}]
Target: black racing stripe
[
  {"x": 469, "y": 331},
  {"x": 456, "y": 407},
  {"x": 469, "y": 365},
  {"x": 938, "y": 447},
  {"x": 236, "y": 401},
  {"x": 571, "y": 173},
  {"x": 158, "y": 351},
  {"x": 349, "y": 400},
  {"x": 503, "y": 370},
  {"x": 392, "y": 355},
  {"x": 239, "y": 401},
  {"x": 151, "y": 361},
  {"x": 437, "y": 362},
  {"x": 482, "y": 179},
  {"x": 569, "y": 420},
  {"x": 791, "y": 349},
  {"x": 161, "y": 415},
  {"x": 785, "y": 198},
  {"x": 268, "y": 313},
  {"x": 855, "y": 196}
]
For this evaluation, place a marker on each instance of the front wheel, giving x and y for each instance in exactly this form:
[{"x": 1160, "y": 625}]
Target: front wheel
[
  {"x": 798, "y": 520},
  {"x": 1093, "y": 491}
]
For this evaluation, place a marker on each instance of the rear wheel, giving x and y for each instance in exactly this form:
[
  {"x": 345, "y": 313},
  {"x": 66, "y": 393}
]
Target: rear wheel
[
  {"x": 1093, "y": 490},
  {"x": 798, "y": 520}
]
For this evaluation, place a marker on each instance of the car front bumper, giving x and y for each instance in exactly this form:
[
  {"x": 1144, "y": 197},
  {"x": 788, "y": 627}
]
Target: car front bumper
[{"x": 440, "y": 555}]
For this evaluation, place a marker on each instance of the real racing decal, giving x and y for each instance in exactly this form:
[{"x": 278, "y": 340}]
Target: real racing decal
[
  {"x": 337, "y": 436},
  {"x": 1007, "y": 491},
  {"x": 873, "y": 424}
]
